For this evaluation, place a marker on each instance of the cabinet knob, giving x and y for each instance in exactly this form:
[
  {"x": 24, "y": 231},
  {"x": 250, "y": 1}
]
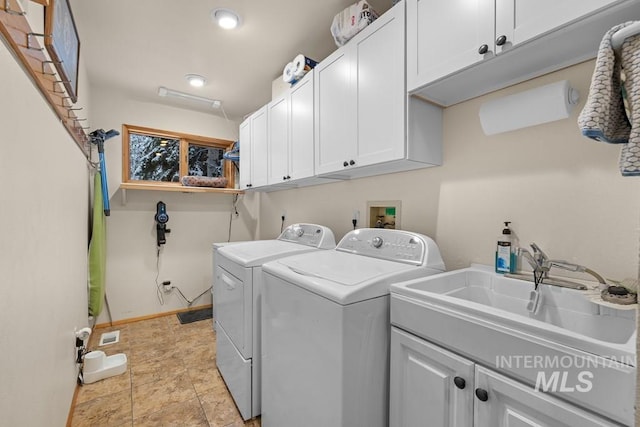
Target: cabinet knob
[
  {"x": 482, "y": 394},
  {"x": 351, "y": 162},
  {"x": 345, "y": 164},
  {"x": 288, "y": 177},
  {"x": 284, "y": 178},
  {"x": 483, "y": 49},
  {"x": 501, "y": 40},
  {"x": 460, "y": 382},
  {"x": 248, "y": 185}
]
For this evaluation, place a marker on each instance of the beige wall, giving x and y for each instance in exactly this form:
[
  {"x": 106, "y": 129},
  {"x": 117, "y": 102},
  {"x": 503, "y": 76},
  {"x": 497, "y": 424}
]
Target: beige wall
[
  {"x": 558, "y": 188},
  {"x": 43, "y": 254},
  {"x": 196, "y": 220}
]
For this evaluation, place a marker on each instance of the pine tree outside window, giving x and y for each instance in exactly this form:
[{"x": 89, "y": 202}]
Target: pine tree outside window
[{"x": 164, "y": 157}]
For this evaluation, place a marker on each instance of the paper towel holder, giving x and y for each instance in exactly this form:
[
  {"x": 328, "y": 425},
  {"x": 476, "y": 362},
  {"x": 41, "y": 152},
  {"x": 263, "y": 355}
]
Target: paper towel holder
[{"x": 532, "y": 107}]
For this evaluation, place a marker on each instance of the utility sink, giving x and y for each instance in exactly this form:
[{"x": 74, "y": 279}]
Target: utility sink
[{"x": 487, "y": 318}]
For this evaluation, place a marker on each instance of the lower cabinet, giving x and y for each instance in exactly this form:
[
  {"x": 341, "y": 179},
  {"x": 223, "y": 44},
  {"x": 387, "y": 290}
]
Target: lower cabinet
[{"x": 433, "y": 387}]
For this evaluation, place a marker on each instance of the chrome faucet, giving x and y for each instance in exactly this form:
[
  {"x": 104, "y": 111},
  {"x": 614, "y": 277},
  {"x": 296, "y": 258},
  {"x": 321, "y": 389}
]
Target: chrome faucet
[
  {"x": 541, "y": 264},
  {"x": 538, "y": 261}
]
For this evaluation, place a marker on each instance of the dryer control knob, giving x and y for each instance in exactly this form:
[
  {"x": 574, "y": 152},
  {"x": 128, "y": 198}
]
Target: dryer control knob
[
  {"x": 299, "y": 232},
  {"x": 377, "y": 242}
]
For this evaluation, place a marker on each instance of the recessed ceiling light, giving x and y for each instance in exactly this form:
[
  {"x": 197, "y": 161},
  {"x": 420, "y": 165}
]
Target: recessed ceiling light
[
  {"x": 226, "y": 18},
  {"x": 195, "y": 80}
]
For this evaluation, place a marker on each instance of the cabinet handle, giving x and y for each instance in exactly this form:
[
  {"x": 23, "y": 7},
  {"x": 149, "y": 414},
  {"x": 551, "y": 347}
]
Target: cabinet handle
[
  {"x": 345, "y": 164},
  {"x": 483, "y": 49},
  {"x": 482, "y": 394},
  {"x": 501, "y": 40},
  {"x": 351, "y": 162},
  {"x": 460, "y": 382}
]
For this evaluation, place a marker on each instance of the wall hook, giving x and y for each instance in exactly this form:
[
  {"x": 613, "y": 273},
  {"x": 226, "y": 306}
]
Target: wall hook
[{"x": 7, "y": 8}]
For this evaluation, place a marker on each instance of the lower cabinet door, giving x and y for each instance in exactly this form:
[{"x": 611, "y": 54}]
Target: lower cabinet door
[
  {"x": 503, "y": 402},
  {"x": 430, "y": 386}
]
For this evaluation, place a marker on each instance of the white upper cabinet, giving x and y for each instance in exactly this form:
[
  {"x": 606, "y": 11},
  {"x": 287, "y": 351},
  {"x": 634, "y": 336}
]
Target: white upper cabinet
[
  {"x": 522, "y": 20},
  {"x": 253, "y": 150},
  {"x": 291, "y": 139},
  {"x": 446, "y": 36},
  {"x": 335, "y": 111},
  {"x": 278, "y": 157},
  {"x": 259, "y": 148},
  {"x": 361, "y": 107},
  {"x": 460, "y": 49},
  {"x": 301, "y": 142},
  {"x": 245, "y": 154},
  {"x": 381, "y": 93}
]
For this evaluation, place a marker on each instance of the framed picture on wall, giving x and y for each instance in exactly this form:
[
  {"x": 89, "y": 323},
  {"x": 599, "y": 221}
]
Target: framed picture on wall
[{"x": 63, "y": 44}]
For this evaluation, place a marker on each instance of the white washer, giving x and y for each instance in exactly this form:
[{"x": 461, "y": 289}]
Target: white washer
[
  {"x": 325, "y": 328},
  {"x": 237, "y": 284}
]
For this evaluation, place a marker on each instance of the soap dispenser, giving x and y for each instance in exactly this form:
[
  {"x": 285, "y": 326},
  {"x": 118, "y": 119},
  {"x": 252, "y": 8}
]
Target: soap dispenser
[{"x": 506, "y": 257}]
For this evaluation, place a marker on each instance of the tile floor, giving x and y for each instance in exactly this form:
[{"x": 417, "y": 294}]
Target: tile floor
[{"x": 171, "y": 379}]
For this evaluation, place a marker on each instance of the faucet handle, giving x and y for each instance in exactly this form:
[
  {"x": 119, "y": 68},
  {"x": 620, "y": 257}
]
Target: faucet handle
[{"x": 540, "y": 256}]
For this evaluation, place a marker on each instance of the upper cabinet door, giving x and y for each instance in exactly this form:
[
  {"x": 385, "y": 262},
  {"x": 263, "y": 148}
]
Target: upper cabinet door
[
  {"x": 301, "y": 155},
  {"x": 278, "y": 111},
  {"x": 259, "y": 148},
  {"x": 381, "y": 92},
  {"x": 335, "y": 111},
  {"x": 245, "y": 154},
  {"x": 445, "y": 36},
  {"x": 522, "y": 20}
]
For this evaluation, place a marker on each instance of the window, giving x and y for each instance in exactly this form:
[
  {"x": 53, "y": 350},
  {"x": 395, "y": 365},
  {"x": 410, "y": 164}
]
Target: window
[{"x": 153, "y": 156}]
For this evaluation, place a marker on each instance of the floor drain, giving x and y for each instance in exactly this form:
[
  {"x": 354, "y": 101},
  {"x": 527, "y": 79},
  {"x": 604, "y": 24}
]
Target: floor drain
[{"x": 109, "y": 338}]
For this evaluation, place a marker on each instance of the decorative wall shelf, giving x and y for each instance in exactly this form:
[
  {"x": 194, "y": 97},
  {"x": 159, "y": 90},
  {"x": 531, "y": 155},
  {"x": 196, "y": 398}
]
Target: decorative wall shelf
[{"x": 27, "y": 47}]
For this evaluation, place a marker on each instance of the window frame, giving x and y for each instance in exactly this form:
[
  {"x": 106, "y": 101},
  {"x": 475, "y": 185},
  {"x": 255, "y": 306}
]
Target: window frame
[{"x": 185, "y": 139}]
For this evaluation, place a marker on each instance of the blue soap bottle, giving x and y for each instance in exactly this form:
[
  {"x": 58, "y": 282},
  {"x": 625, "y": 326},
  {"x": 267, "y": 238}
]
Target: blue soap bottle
[{"x": 506, "y": 258}]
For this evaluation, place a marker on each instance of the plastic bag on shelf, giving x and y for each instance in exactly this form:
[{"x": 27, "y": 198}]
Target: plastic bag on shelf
[{"x": 351, "y": 21}]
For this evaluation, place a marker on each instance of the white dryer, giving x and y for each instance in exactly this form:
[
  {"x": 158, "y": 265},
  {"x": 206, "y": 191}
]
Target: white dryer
[
  {"x": 236, "y": 298},
  {"x": 325, "y": 328}
]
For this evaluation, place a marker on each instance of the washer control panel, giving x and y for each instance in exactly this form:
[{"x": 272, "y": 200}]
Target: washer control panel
[
  {"x": 313, "y": 235},
  {"x": 394, "y": 245}
]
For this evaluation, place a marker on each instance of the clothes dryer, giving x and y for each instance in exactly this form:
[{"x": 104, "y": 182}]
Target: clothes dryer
[
  {"x": 325, "y": 329},
  {"x": 237, "y": 300}
]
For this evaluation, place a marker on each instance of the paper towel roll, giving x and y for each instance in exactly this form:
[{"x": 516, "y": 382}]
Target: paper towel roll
[
  {"x": 302, "y": 65},
  {"x": 288, "y": 74},
  {"x": 529, "y": 108}
]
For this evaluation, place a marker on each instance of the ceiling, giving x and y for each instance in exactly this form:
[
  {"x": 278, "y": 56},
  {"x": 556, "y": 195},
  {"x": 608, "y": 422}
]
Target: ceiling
[{"x": 137, "y": 46}]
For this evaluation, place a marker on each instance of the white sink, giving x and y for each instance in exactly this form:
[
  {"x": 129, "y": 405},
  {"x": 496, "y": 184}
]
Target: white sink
[
  {"x": 561, "y": 310},
  {"x": 483, "y": 316}
]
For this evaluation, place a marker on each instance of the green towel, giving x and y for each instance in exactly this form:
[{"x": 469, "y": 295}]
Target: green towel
[{"x": 97, "y": 251}]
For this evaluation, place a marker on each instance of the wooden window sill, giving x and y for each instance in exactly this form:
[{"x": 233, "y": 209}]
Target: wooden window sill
[{"x": 167, "y": 186}]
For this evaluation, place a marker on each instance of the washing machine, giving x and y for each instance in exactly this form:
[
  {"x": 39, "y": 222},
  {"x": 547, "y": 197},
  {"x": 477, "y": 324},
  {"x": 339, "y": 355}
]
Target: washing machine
[
  {"x": 325, "y": 328},
  {"x": 236, "y": 298}
]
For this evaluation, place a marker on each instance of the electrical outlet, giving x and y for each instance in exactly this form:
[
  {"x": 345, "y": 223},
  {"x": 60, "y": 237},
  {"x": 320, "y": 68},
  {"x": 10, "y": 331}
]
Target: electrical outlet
[{"x": 167, "y": 286}]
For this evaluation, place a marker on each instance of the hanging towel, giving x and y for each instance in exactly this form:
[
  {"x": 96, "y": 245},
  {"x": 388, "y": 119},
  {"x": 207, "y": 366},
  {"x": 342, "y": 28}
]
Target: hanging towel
[
  {"x": 97, "y": 251},
  {"x": 604, "y": 117}
]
